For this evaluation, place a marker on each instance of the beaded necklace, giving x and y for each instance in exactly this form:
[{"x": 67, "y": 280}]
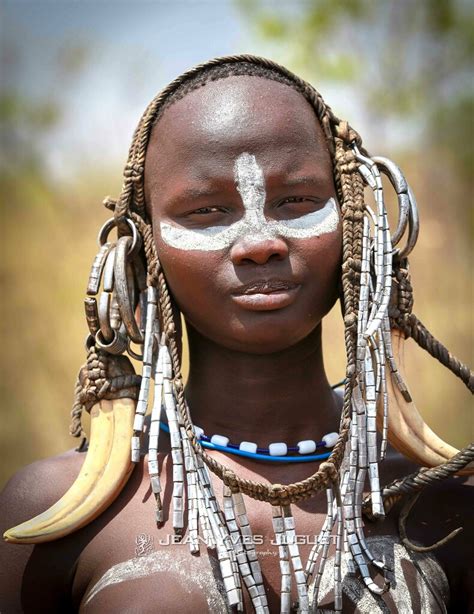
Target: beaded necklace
[{"x": 276, "y": 452}]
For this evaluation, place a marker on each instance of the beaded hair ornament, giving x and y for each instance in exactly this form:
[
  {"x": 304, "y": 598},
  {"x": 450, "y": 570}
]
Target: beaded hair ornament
[{"x": 377, "y": 302}]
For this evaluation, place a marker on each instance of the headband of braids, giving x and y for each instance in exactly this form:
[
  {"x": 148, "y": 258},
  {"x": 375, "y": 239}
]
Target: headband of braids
[{"x": 377, "y": 298}]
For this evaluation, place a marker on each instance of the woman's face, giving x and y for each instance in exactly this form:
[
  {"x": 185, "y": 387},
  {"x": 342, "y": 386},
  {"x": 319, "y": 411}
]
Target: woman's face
[{"x": 239, "y": 185}]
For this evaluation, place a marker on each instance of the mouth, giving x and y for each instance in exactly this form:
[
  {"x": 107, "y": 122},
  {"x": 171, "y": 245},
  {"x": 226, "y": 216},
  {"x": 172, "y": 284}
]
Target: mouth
[{"x": 266, "y": 294}]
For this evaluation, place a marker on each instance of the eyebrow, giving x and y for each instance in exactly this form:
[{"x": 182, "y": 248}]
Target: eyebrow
[
  {"x": 193, "y": 193},
  {"x": 196, "y": 193},
  {"x": 294, "y": 181}
]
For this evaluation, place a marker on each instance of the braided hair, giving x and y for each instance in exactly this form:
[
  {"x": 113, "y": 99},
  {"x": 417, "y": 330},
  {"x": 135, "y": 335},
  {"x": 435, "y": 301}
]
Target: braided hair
[{"x": 340, "y": 138}]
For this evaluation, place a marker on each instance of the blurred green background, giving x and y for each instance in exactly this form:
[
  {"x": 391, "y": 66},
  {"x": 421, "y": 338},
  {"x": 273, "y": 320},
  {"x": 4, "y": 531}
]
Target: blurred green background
[{"x": 77, "y": 76}]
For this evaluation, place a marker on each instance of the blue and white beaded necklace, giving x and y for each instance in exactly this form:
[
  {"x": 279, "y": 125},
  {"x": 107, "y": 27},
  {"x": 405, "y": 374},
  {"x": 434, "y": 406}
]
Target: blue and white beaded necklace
[
  {"x": 302, "y": 452},
  {"x": 276, "y": 452}
]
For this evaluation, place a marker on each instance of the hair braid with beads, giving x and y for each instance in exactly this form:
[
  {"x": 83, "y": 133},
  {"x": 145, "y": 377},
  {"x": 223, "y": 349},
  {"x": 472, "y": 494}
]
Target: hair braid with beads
[
  {"x": 339, "y": 136},
  {"x": 350, "y": 190}
]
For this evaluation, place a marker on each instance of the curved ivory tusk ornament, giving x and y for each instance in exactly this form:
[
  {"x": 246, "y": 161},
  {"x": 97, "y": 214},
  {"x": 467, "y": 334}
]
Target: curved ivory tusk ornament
[
  {"x": 107, "y": 466},
  {"x": 103, "y": 475},
  {"x": 407, "y": 431}
]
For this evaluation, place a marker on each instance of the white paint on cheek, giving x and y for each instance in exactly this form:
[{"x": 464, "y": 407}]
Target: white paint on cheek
[
  {"x": 253, "y": 226},
  {"x": 202, "y": 239},
  {"x": 312, "y": 224}
]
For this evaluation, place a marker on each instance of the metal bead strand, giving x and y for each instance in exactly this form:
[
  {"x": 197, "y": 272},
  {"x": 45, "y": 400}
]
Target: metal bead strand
[
  {"x": 383, "y": 246},
  {"x": 249, "y": 546},
  {"x": 363, "y": 296},
  {"x": 192, "y": 496},
  {"x": 325, "y": 531},
  {"x": 279, "y": 530},
  {"x": 176, "y": 445},
  {"x": 371, "y": 434},
  {"x": 153, "y": 464},
  {"x": 143, "y": 396},
  {"x": 381, "y": 387},
  {"x": 223, "y": 543},
  {"x": 204, "y": 521},
  {"x": 244, "y": 548},
  {"x": 148, "y": 355},
  {"x": 338, "y": 558},
  {"x": 300, "y": 578},
  {"x": 324, "y": 541}
]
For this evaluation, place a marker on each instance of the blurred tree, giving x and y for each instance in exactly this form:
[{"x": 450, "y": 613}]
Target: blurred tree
[
  {"x": 411, "y": 60},
  {"x": 48, "y": 232},
  {"x": 26, "y": 119}
]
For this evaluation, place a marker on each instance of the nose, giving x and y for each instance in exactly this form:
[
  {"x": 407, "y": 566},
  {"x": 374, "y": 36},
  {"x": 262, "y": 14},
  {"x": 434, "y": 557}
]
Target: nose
[{"x": 255, "y": 249}]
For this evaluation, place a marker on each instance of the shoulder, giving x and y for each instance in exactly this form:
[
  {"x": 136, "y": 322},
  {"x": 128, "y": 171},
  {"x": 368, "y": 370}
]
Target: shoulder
[
  {"x": 37, "y": 486},
  {"x": 35, "y": 572}
]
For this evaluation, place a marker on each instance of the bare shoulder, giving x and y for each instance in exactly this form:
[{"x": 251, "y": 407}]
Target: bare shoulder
[
  {"x": 55, "y": 470},
  {"x": 31, "y": 573}
]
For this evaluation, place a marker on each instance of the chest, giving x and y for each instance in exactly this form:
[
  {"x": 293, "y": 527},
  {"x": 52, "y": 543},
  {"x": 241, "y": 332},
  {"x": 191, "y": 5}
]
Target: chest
[{"x": 135, "y": 567}]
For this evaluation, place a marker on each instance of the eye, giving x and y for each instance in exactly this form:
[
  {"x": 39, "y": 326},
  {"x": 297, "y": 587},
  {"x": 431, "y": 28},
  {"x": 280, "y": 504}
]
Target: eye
[
  {"x": 295, "y": 206},
  {"x": 207, "y": 210},
  {"x": 209, "y": 215}
]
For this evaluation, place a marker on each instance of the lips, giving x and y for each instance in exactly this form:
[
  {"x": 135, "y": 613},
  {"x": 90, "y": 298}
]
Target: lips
[
  {"x": 267, "y": 287},
  {"x": 266, "y": 294}
]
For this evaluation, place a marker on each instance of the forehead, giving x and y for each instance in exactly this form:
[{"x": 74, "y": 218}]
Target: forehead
[{"x": 199, "y": 137}]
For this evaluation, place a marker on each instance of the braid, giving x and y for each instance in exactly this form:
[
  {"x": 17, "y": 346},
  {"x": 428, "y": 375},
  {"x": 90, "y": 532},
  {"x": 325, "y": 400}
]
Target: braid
[
  {"x": 350, "y": 191},
  {"x": 349, "y": 188},
  {"x": 132, "y": 197},
  {"x": 369, "y": 265}
]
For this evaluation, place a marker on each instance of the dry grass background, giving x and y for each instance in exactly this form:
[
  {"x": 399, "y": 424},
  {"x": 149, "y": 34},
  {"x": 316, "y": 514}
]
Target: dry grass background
[{"x": 48, "y": 245}]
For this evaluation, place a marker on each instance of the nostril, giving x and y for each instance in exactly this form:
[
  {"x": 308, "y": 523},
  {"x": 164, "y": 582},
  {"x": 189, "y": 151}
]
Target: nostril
[
  {"x": 258, "y": 250},
  {"x": 258, "y": 260}
]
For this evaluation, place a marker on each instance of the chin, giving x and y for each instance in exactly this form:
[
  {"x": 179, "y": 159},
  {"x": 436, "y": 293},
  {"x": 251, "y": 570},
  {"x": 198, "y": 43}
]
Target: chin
[{"x": 268, "y": 336}]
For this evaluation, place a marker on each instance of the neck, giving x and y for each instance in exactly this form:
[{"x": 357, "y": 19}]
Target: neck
[{"x": 280, "y": 397}]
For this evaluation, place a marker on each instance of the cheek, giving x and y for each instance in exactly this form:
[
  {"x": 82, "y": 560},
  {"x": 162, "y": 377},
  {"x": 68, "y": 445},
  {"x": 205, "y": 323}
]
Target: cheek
[
  {"x": 323, "y": 256},
  {"x": 190, "y": 276}
]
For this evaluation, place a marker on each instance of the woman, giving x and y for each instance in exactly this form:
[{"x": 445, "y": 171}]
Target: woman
[{"x": 244, "y": 196}]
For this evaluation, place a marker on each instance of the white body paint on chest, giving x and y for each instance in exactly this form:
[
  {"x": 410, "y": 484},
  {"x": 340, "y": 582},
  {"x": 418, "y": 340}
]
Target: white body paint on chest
[
  {"x": 253, "y": 226},
  {"x": 190, "y": 573},
  {"x": 429, "y": 591}
]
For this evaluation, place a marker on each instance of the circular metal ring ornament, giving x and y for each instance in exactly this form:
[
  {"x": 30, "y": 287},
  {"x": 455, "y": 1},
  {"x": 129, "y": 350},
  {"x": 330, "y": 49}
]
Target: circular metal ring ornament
[
  {"x": 413, "y": 226},
  {"x": 112, "y": 223},
  {"x": 125, "y": 288},
  {"x": 89, "y": 342},
  {"x": 132, "y": 353},
  {"x": 104, "y": 317},
  {"x": 92, "y": 314},
  {"x": 140, "y": 273},
  {"x": 115, "y": 318},
  {"x": 108, "y": 273},
  {"x": 143, "y": 305},
  {"x": 97, "y": 269},
  {"x": 118, "y": 345},
  {"x": 400, "y": 185}
]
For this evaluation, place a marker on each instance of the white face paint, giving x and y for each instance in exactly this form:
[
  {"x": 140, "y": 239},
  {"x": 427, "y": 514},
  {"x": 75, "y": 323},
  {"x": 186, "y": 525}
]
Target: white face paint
[{"x": 253, "y": 226}]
